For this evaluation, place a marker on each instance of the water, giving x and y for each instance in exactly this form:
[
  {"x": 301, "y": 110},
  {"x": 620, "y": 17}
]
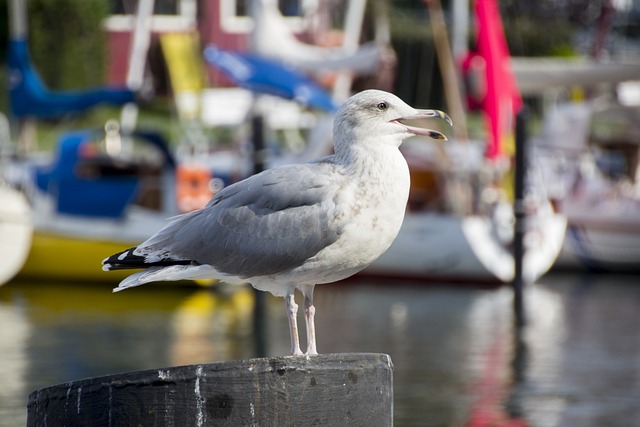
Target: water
[{"x": 457, "y": 359}]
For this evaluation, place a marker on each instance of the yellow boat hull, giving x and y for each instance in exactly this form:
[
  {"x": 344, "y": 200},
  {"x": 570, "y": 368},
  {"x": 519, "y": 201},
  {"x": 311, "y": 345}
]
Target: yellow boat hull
[
  {"x": 55, "y": 257},
  {"x": 62, "y": 258}
]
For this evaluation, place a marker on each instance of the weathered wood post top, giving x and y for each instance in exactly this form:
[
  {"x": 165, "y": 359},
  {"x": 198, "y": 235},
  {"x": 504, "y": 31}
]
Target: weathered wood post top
[{"x": 350, "y": 389}]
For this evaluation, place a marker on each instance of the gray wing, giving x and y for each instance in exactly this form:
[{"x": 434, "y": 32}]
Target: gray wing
[{"x": 268, "y": 223}]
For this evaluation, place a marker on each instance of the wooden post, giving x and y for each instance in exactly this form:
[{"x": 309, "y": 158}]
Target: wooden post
[{"x": 352, "y": 389}]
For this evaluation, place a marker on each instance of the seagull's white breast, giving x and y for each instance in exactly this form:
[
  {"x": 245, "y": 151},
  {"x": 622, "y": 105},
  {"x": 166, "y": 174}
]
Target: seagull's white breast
[{"x": 369, "y": 209}]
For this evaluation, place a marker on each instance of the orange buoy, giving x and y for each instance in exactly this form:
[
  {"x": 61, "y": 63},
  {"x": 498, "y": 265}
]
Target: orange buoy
[{"x": 193, "y": 189}]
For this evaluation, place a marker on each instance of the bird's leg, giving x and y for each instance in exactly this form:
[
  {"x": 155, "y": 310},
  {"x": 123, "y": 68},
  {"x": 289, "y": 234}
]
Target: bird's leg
[
  {"x": 309, "y": 317},
  {"x": 292, "y": 315}
]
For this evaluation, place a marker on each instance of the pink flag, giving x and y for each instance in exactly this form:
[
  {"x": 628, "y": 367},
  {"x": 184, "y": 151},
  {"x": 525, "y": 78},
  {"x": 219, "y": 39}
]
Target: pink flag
[{"x": 502, "y": 100}]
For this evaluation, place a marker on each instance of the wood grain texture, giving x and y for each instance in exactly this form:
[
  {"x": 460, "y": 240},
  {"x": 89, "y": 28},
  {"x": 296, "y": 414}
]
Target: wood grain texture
[{"x": 349, "y": 389}]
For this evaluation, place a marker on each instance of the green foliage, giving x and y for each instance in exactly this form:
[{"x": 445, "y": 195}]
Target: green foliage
[
  {"x": 67, "y": 41},
  {"x": 527, "y": 37},
  {"x": 418, "y": 76},
  {"x": 410, "y": 24}
]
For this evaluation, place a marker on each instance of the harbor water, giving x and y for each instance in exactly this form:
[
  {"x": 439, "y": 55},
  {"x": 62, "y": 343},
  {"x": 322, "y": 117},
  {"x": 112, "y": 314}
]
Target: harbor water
[{"x": 458, "y": 359}]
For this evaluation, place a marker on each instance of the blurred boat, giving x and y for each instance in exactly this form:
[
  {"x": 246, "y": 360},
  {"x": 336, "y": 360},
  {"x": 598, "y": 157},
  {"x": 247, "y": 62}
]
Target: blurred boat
[
  {"x": 591, "y": 150},
  {"x": 460, "y": 220},
  {"x": 87, "y": 204},
  {"x": 93, "y": 195},
  {"x": 31, "y": 99},
  {"x": 459, "y": 226},
  {"x": 464, "y": 249}
]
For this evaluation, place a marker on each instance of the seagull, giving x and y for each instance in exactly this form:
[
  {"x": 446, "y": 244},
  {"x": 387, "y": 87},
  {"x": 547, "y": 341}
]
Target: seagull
[{"x": 298, "y": 225}]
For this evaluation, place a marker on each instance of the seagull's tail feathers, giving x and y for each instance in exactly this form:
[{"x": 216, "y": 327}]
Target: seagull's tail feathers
[
  {"x": 167, "y": 274},
  {"x": 153, "y": 274},
  {"x": 137, "y": 279},
  {"x": 157, "y": 267}
]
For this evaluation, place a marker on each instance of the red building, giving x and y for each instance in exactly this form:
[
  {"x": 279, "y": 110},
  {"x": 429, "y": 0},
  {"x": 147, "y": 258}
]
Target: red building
[{"x": 223, "y": 22}]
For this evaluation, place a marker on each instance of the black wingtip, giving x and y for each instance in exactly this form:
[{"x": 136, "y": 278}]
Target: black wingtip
[
  {"x": 128, "y": 260},
  {"x": 123, "y": 260}
]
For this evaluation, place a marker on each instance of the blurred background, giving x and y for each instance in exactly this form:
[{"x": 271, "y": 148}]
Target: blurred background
[{"x": 511, "y": 295}]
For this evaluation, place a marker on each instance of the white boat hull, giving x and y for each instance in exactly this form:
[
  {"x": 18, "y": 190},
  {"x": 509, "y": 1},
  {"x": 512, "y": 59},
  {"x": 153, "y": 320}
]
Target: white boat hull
[
  {"x": 602, "y": 241},
  {"x": 591, "y": 173},
  {"x": 442, "y": 247},
  {"x": 15, "y": 232}
]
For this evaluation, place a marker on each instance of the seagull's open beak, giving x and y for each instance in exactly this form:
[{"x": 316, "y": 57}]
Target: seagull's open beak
[{"x": 425, "y": 114}]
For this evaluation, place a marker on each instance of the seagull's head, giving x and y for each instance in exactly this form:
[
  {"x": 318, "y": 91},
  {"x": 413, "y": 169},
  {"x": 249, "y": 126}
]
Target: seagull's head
[{"x": 381, "y": 115}]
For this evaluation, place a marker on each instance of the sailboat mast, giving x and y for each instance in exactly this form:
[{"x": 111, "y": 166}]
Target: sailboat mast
[
  {"x": 460, "y": 28},
  {"x": 17, "y": 19},
  {"x": 448, "y": 70},
  {"x": 137, "y": 61}
]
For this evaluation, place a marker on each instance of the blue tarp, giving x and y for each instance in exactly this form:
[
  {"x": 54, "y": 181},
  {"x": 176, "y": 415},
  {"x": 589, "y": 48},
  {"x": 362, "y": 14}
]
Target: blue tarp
[
  {"x": 95, "y": 193},
  {"x": 31, "y": 98},
  {"x": 266, "y": 76},
  {"x": 85, "y": 196}
]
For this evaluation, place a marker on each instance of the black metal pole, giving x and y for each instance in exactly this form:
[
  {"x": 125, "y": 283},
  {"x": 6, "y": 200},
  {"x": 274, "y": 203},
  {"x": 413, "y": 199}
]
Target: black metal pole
[
  {"x": 259, "y": 308},
  {"x": 257, "y": 135},
  {"x": 519, "y": 216}
]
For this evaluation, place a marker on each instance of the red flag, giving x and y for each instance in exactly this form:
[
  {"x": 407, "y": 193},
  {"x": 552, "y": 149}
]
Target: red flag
[{"x": 502, "y": 100}]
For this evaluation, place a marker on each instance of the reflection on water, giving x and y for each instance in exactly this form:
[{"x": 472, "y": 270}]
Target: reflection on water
[
  {"x": 53, "y": 333},
  {"x": 457, "y": 360}
]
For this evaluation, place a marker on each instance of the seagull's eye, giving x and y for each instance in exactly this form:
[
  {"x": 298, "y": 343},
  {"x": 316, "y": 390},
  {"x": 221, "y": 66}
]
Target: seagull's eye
[{"x": 382, "y": 106}]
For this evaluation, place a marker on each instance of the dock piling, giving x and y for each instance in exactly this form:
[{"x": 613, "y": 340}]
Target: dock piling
[{"x": 354, "y": 389}]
